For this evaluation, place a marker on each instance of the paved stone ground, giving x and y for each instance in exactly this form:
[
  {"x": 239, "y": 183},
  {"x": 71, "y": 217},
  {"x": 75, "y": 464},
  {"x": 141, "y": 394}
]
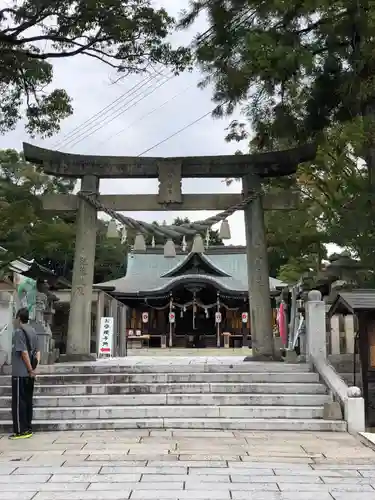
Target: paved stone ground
[
  {"x": 183, "y": 352},
  {"x": 185, "y": 464}
]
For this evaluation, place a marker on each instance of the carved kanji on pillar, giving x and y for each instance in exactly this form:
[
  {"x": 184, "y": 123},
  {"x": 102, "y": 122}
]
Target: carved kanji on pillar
[{"x": 170, "y": 175}]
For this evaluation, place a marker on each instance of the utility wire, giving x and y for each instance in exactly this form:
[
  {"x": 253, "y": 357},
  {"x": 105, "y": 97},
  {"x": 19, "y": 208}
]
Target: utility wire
[
  {"x": 125, "y": 107},
  {"x": 59, "y": 142},
  {"x": 76, "y": 131},
  {"x": 245, "y": 18},
  {"x": 176, "y": 133},
  {"x": 147, "y": 114},
  {"x": 107, "y": 111}
]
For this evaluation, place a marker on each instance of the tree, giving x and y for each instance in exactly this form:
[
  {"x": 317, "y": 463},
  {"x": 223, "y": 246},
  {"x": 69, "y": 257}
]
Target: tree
[
  {"x": 295, "y": 242},
  {"x": 26, "y": 230},
  {"x": 298, "y": 66},
  {"x": 130, "y": 36},
  {"x": 21, "y": 215}
]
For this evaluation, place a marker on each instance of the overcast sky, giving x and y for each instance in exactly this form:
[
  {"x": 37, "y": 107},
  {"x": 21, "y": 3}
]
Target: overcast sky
[{"x": 90, "y": 84}]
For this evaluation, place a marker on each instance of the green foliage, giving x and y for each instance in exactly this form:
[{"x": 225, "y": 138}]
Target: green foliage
[
  {"x": 298, "y": 67},
  {"x": 28, "y": 231},
  {"x": 21, "y": 213},
  {"x": 337, "y": 204},
  {"x": 130, "y": 36},
  {"x": 302, "y": 70}
]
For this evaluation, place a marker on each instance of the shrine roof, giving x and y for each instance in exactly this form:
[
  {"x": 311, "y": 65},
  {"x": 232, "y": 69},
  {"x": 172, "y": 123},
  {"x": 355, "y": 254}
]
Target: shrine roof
[
  {"x": 359, "y": 299},
  {"x": 150, "y": 272},
  {"x": 32, "y": 269}
]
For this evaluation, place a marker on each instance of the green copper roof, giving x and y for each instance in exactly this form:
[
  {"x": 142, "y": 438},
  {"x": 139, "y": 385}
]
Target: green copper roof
[{"x": 146, "y": 271}]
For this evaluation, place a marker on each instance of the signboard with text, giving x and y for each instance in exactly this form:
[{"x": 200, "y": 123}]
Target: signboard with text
[{"x": 106, "y": 336}]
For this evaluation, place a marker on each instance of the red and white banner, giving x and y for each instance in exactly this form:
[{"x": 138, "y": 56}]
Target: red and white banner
[
  {"x": 172, "y": 317},
  {"x": 245, "y": 317}
]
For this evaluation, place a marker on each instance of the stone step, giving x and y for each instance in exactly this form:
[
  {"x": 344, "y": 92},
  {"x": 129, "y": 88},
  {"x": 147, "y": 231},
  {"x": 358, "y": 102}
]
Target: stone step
[
  {"x": 169, "y": 411},
  {"x": 176, "y": 399},
  {"x": 174, "y": 388},
  {"x": 154, "y": 378},
  {"x": 253, "y": 424},
  {"x": 171, "y": 365}
]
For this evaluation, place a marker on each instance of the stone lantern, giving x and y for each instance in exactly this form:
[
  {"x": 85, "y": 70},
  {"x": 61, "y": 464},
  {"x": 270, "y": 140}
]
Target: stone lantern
[{"x": 344, "y": 272}]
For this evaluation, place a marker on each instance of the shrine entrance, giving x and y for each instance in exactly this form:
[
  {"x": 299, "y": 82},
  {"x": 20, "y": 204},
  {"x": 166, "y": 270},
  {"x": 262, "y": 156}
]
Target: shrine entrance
[
  {"x": 195, "y": 305},
  {"x": 252, "y": 169}
]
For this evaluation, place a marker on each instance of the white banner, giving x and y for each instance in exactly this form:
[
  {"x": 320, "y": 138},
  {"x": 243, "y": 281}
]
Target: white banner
[
  {"x": 145, "y": 317},
  {"x": 218, "y": 317},
  {"x": 106, "y": 336}
]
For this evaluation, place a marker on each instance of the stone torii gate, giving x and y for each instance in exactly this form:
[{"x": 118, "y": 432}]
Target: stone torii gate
[{"x": 170, "y": 171}]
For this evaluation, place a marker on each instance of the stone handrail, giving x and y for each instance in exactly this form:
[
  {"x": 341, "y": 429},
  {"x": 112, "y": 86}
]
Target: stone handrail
[{"x": 349, "y": 397}]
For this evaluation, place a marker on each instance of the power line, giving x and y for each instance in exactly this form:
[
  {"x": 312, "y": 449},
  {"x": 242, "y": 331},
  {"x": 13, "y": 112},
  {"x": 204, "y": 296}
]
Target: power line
[
  {"x": 146, "y": 114},
  {"x": 110, "y": 108},
  {"x": 77, "y": 132},
  {"x": 120, "y": 111},
  {"x": 66, "y": 136},
  {"x": 176, "y": 133}
]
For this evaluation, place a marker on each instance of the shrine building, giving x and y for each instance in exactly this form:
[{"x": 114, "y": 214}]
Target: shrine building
[{"x": 190, "y": 299}]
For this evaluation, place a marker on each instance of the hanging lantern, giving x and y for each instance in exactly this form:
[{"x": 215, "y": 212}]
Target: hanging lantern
[
  {"x": 139, "y": 243},
  {"x": 169, "y": 249},
  {"x": 153, "y": 242},
  {"x": 224, "y": 231},
  {"x": 198, "y": 246},
  {"x": 184, "y": 244},
  {"x": 112, "y": 229},
  {"x": 124, "y": 235}
]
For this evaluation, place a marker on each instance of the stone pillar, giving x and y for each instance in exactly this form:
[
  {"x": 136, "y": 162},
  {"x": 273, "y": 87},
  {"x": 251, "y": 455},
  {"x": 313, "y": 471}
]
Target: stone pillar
[
  {"x": 335, "y": 334},
  {"x": 116, "y": 340},
  {"x": 316, "y": 326},
  {"x": 111, "y": 311},
  {"x": 122, "y": 330},
  {"x": 79, "y": 329},
  {"x": 99, "y": 316},
  {"x": 6, "y": 327},
  {"x": 258, "y": 272},
  {"x": 349, "y": 333}
]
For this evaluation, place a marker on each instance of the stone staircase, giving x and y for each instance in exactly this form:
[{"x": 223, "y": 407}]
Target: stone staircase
[{"x": 128, "y": 394}]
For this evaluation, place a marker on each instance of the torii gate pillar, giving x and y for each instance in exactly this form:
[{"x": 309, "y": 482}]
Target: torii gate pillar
[
  {"x": 79, "y": 327},
  {"x": 258, "y": 273}
]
